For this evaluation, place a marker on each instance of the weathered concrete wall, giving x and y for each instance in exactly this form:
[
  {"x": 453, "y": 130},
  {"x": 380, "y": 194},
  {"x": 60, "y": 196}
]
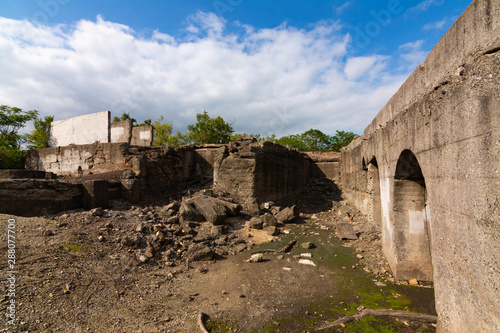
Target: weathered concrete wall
[
  {"x": 142, "y": 136},
  {"x": 32, "y": 197},
  {"x": 263, "y": 171},
  {"x": 84, "y": 129},
  {"x": 325, "y": 164},
  {"x": 428, "y": 167},
  {"x": 79, "y": 160},
  {"x": 121, "y": 131}
]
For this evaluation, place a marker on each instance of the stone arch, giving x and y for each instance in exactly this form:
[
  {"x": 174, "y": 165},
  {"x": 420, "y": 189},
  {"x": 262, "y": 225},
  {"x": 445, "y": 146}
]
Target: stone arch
[
  {"x": 412, "y": 243},
  {"x": 374, "y": 189},
  {"x": 363, "y": 166}
]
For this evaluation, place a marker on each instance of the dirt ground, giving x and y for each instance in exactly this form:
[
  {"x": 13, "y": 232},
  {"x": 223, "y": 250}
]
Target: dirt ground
[{"x": 75, "y": 273}]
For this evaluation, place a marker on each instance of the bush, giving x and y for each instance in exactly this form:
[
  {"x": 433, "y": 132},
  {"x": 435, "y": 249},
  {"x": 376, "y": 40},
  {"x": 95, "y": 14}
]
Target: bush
[{"x": 12, "y": 158}]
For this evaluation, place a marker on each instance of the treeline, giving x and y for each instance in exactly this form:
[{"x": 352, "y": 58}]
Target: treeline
[
  {"x": 205, "y": 130},
  {"x": 216, "y": 130}
]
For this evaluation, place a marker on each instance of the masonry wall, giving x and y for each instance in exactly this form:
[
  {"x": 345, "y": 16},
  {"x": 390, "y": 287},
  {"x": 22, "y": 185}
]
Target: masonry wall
[
  {"x": 84, "y": 129},
  {"x": 263, "y": 171},
  {"x": 121, "y": 131},
  {"x": 446, "y": 118},
  {"x": 142, "y": 136}
]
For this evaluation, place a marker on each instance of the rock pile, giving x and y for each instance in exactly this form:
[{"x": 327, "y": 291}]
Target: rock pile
[{"x": 201, "y": 226}]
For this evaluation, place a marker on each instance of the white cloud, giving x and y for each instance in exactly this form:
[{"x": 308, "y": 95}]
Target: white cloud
[
  {"x": 282, "y": 80},
  {"x": 435, "y": 25},
  {"x": 424, "y": 5},
  {"x": 366, "y": 67},
  {"x": 412, "y": 54},
  {"x": 341, "y": 8}
]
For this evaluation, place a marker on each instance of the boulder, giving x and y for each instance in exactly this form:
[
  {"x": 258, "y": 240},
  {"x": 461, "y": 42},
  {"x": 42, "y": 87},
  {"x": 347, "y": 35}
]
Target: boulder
[
  {"x": 268, "y": 220},
  {"x": 272, "y": 230},
  {"x": 255, "y": 223},
  {"x": 345, "y": 231},
  {"x": 212, "y": 209},
  {"x": 188, "y": 213},
  {"x": 199, "y": 252},
  {"x": 288, "y": 214}
]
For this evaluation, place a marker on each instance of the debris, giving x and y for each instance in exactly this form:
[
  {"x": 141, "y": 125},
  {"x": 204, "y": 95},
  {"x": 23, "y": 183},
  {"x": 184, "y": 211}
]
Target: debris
[
  {"x": 288, "y": 214},
  {"x": 48, "y": 233},
  {"x": 307, "y": 262},
  {"x": 288, "y": 246},
  {"x": 272, "y": 230},
  {"x": 308, "y": 245},
  {"x": 288, "y": 269},
  {"x": 345, "y": 231},
  {"x": 97, "y": 211},
  {"x": 255, "y": 223},
  {"x": 256, "y": 258},
  {"x": 201, "y": 318},
  {"x": 413, "y": 282},
  {"x": 425, "y": 318},
  {"x": 306, "y": 255}
]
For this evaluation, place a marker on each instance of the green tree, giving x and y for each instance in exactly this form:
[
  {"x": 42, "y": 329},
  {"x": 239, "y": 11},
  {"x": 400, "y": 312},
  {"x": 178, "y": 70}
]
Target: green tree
[
  {"x": 209, "y": 130},
  {"x": 314, "y": 140},
  {"x": 125, "y": 116},
  {"x": 40, "y": 136},
  {"x": 12, "y": 119},
  {"x": 341, "y": 139},
  {"x": 163, "y": 134}
]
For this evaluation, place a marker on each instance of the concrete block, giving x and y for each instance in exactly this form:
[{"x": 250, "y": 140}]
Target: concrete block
[
  {"x": 121, "y": 131},
  {"x": 84, "y": 129},
  {"x": 142, "y": 136},
  {"x": 95, "y": 194}
]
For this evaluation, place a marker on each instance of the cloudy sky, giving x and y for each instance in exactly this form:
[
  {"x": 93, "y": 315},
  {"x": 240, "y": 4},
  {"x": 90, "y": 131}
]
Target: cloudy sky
[{"x": 274, "y": 66}]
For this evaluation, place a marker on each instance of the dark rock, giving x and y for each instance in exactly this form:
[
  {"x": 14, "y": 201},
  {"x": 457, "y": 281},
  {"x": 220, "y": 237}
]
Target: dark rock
[
  {"x": 128, "y": 174},
  {"x": 97, "y": 211},
  {"x": 211, "y": 208},
  {"x": 308, "y": 245},
  {"x": 255, "y": 223},
  {"x": 48, "y": 233},
  {"x": 172, "y": 220},
  {"x": 345, "y": 231},
  {"x": 231, "y": 208},
  {"x": 199, "y": 252},
  {"x": 268, "y": 220},
  {"x": 240, "y": 247},
  {"x": 288, "y": 215},
  {"x": 188, "y": 213},
  {"x": 272, "y": 230}
]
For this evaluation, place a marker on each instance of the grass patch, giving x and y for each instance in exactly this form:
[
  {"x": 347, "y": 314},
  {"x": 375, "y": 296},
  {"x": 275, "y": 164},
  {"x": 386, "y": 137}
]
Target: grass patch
[
  {"x": 73, "y": 247},
  {"x": 370, "y": 324},
  {"x": 217, "y": 325}
]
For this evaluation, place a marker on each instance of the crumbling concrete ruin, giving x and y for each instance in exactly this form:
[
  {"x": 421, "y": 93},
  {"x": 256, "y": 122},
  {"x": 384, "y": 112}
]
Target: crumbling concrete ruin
[
  {"x": 97, "y": 127},
  {"x": 425, "y": 171}
]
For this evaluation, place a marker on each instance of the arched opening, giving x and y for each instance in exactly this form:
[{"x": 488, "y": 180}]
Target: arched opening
[
  {"x": 411, "y": 221},
  {"x": 374, "y": 189}
]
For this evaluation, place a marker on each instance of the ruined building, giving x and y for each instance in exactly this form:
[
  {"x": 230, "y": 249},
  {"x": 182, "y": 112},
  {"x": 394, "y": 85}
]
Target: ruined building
[{"x": 426, "y": 172}]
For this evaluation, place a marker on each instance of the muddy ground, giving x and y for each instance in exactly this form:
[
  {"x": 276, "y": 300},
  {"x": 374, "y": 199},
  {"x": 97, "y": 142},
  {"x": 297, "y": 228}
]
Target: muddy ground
[{"x": 75, "y": 273}]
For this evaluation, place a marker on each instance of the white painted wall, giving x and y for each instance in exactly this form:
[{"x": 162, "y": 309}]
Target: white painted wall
[{"x": 80, "y": 130}]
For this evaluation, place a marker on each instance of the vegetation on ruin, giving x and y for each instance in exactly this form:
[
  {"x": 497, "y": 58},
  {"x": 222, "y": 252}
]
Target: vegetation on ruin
[{"x": 126, "y": 116}]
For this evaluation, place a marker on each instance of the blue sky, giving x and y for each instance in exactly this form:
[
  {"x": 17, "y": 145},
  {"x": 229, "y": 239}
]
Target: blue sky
[{"x": 278, "y": 67}]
